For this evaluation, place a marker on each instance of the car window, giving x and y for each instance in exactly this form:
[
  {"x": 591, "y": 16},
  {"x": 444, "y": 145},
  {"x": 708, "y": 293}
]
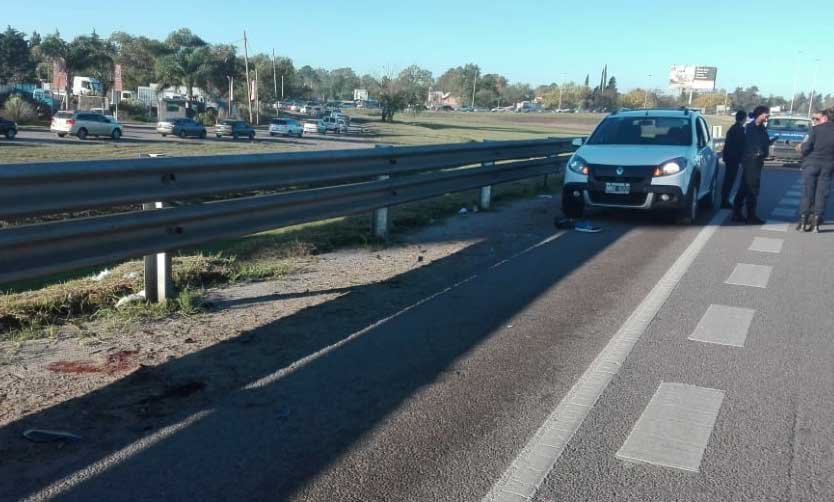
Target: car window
[
  {"x": 785, "y": 124},
  {"x": 63, "y": 115},
  {"x": 705, "y": 128},
  {"x": 702, "y": 140},
  {"x": 661, "y": 131}
]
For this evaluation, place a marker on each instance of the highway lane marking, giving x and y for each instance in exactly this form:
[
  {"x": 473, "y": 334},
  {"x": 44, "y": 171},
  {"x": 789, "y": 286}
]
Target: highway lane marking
[
  {"x": 754, "y": 276},
  {"x": 674, "y": 429},
  {"x": 789, "y": 202},
  {"x": 95, "y": 469},
  {"x": 724, "y": 325},
  {"x": 306, "y": 360},
  {"x": 775, "y": 226},
  {"x": 526, "y": 473},
  {"x": 783, "y": 212},
  {"x": 767, "y": 245},
  {"x": 794, "y": 193}
]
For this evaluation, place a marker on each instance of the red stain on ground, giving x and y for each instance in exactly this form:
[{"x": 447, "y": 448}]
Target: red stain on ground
[{"x": 118, "y": 362}]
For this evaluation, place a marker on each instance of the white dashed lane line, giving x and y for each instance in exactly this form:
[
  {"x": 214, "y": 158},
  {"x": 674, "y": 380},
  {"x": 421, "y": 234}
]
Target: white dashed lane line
[
  {"x": 767, "y": 245},
  {"x": 775, "y": 226},
  {"x": 724, "y": 325},
  {"x": 754, "y": 276},
  {"x": 789, "y": 202}
]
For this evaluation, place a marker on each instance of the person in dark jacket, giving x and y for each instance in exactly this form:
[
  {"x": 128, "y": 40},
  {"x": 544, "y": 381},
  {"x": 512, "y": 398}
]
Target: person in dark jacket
[
  {"x": 733, "y": 148},
  {"x": 817, "y": 168},
  {"x": 756, "y": 149}
]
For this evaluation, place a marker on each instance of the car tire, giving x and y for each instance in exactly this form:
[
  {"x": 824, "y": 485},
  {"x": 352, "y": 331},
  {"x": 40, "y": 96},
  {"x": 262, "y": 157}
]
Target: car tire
[
  {"x": 234, "y": 136},
  {"x": 181, "y": 134},
  {"x": 251, "y": 136},
  {"x": 713, "y": 201},
  {"x": 272, "y": 135},
  {"x": 116, "y": 135},
  {"x": 62, "y": 134},
  {"x": 82, "y": 134},
  {"x": 572, "y": 208},
  {"x": 164, "y": 135},
  {"x": 11, "y": 133},
  {"x": 688, "y": 214},
  {"x": 203, "y": 134},
  {"x": 218, "y": 136}
]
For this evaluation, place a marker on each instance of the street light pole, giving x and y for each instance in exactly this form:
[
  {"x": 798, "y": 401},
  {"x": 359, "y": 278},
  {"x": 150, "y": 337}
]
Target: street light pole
[
  {"x": 795, "y": 79},
  {"x": 814, "y": 87},
  {"x": 646, "y": 99},
  {"x": 561, "y": 85}
]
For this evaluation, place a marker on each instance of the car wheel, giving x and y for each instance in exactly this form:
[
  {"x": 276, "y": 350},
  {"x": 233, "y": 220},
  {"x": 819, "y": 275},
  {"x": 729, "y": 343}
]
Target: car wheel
[
  {"x": 272, "y": 134},
  {"x": 689, "y": 212},
  {"x": 82, "y": 133},
  {"x": 11, "y": 133},
  {"x": 234, "y": 136},
  {"x": 712, "y": 201},
  {"x": 164, "y": 135},
  {"x": 251, "y": 136},
  {"x": 181, "y": 134},
  {"x": 203, "y": 134},
  {"x": 116, "y": 134},
  {"x": 62, "y": 134},
  {"x": 571, "y": 207}
]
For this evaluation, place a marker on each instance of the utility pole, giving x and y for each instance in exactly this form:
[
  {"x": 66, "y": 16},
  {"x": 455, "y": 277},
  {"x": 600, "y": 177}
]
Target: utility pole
[
  {"x": 646, "y": 99},
  {"x": 474, "y": 84},
  {"x": 282, "y": 87},
  {"x": 814, "y": 87},
  {"x": 248, "y": 83},
  {"x": 231, "y": 80},
  {"x": 274, "y": 74},
  {"x": 257, "y": 99},
  {"x": 561, "y": 85}
]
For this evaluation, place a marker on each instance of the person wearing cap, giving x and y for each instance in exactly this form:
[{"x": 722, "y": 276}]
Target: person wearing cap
[
  {"x": 733, "y": 149},
  {"x": 817, "y": 166},
  {"x": 756, "y": 149}
]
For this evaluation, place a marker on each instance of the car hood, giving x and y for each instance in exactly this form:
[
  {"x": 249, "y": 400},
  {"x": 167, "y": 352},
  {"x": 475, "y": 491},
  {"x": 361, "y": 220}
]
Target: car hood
[{"x": 631, "y": 155}]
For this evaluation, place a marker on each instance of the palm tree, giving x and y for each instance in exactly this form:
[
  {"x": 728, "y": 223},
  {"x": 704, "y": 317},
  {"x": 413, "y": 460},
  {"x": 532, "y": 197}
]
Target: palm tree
[{"x": 188, "y": 67}]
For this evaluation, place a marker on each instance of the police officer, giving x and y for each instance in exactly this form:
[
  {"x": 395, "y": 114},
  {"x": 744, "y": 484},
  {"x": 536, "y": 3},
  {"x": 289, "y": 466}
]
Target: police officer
[
  {"x": 733, "y": 148},
  {"x": 756, "y": 149},
  {"x": 817, "y": 167}
]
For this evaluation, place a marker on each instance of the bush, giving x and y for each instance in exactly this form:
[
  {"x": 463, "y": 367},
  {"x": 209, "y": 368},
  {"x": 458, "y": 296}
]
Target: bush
[
  {"x": 132, "y": 109},
  {"x": 207, "y": 118},
  {"x": 18, "y": 110}
]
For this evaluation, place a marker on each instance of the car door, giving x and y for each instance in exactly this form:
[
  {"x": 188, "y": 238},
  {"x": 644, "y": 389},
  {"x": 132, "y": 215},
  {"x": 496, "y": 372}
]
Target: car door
[
  {"x": 708, "y": 157},
  {"x": 701, "y": 157}
]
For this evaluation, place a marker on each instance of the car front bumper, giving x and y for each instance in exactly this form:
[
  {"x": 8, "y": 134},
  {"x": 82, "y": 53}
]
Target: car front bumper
[{"x": 650, "y": 197}]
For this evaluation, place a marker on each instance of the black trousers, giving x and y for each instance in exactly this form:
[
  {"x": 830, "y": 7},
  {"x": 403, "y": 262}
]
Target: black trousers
[
  {"x": 730, "y": 175},
  {"x": 751, "y": 180},
  {"x": 816, "y": 184}
]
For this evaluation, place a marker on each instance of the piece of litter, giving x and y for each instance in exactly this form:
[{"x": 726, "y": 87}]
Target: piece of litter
[
  {"x": 474, "y": 209},
  {"x": 47, "y": 436},
  {"x": 463, "y": 210},
  {"x": 132, "y": 275},
  {"x": 102, "y": 275},
  {"x": 545, "y": 196},
  {"x": 136, "y": 297}
]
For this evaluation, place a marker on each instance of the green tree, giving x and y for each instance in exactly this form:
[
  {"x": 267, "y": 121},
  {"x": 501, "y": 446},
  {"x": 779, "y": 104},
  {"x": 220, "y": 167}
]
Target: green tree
[
  {"x": 415, "y": 83},
  {"x": 138, "y": 56},
  {"x": 16, "y": 63},
  {"x": 18, "y": 110},
  {"x": 187, "y": 64}
]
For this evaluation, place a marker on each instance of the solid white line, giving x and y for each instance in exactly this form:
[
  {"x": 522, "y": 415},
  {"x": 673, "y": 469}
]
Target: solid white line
[
  {"x": 674, "y": 429},
  {"x": 114, "y": 459},
  {"x": 527, "y": 472}
]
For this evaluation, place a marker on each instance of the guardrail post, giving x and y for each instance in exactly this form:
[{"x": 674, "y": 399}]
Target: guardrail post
[
  {"x": 159, "y": 283},
  {"x": 379, "y": 220},
  {"x": 485, "y": 199}
]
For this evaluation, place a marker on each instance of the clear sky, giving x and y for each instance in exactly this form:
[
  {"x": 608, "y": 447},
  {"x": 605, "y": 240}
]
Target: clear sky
[{"x": 750, "y": 41}]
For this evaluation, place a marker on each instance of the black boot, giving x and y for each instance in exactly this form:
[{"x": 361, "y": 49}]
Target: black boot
[
  {"x": 809, "y": 223},
  {"x": 803, "y": 222},
  {"x": 817, "y": 223},
  {"x": 754, "y": 220},
  {"x": 737, "y": 215}
]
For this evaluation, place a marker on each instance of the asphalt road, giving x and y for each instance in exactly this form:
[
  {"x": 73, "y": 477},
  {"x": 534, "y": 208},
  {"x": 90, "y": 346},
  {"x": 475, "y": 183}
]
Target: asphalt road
[{"x": 434, "y": 399}]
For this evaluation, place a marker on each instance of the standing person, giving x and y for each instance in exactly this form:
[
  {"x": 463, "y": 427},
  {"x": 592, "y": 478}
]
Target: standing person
[
  {"x": 756, "y": 150},
  {"x": 817, "y": 167},
  {"x": 733, "y": 149}
]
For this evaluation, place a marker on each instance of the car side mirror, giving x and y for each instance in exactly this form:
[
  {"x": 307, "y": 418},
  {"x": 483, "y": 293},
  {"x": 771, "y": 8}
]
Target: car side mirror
[{"x": 578, "y": 141}]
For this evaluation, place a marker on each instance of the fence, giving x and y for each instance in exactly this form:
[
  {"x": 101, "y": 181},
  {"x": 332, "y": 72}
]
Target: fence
[{"x": 304, "y": 187}]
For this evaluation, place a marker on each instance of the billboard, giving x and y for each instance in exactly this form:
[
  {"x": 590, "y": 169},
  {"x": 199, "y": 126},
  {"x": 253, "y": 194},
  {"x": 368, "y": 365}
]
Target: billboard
[{"x": 688, "y": 77}]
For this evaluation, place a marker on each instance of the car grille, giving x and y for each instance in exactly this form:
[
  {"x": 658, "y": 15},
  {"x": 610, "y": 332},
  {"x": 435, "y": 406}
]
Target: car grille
[
  {"x": 632, "y": 174},
  {"x": 632, "y": 199}
]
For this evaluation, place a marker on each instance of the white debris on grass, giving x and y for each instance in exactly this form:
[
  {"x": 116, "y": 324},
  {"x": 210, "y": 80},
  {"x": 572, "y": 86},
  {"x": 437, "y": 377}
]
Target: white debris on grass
[
  {"x": 136, "y": 297},
  {"x": 104, "y": 274},
  {"x": 132, "y": 275}
]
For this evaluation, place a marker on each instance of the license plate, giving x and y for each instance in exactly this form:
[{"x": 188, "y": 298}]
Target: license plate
[{"x": 617, "y": 188}]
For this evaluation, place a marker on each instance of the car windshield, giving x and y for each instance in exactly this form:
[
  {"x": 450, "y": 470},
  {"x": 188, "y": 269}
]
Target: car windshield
[
  {"x": 666, "y": 131},
  {"x": 789, "y": 124}
]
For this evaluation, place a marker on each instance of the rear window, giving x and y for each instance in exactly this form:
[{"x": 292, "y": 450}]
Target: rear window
[
  {"x": 63, "y": 115},
  {"x": 228, "y": 122},
  {"x": 789, "y": 124},
  {"x": 279, "y": 122},
  {"x": 666, "y": 131}
]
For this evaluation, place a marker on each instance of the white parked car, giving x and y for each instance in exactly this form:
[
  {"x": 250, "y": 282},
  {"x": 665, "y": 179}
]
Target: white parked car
[
  {"x": 644, "y": 159},
  {"x": 84, "y": 124},
  {"x": 285, "y": 127},
  {"x": 314, "y": 127}
]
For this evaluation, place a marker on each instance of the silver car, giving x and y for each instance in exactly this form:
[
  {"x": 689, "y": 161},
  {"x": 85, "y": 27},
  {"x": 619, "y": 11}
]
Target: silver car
[
  {"x": 182, "y": 127},
  {"x": 84, "y": 124}
]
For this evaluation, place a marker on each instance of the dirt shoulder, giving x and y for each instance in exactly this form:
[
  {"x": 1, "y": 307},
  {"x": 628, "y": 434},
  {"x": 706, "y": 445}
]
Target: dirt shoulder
[{"x": 325, "y": 300}]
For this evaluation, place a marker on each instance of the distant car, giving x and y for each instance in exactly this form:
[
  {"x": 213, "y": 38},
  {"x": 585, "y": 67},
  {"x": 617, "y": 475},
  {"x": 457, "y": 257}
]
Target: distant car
[
  {"x": 787, "y": 132},
  {"x": 333, "y": 124},
  {"x": 84, "y": 124},
  {"x": 8, "y": 128},
  {"x": 314, "y": 127},
  {"x": 181, "y": 127},
  {"x": 235, "y": 128},
  {"x": 285, "y": 127}
]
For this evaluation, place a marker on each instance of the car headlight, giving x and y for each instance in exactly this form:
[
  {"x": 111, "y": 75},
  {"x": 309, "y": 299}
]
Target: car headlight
[
  {"x": 670, "y": 167},
  {"x": 578, "y": 165}
]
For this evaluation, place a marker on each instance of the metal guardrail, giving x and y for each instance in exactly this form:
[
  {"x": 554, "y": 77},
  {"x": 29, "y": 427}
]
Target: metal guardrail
[{"x": 335, "y": 183}]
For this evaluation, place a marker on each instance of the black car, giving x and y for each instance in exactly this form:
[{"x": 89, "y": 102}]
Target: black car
[{"x": 8, "y": 128}]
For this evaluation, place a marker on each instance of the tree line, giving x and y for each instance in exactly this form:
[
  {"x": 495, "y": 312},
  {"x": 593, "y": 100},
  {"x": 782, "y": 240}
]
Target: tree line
[{"x": 185, "y": 59}]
